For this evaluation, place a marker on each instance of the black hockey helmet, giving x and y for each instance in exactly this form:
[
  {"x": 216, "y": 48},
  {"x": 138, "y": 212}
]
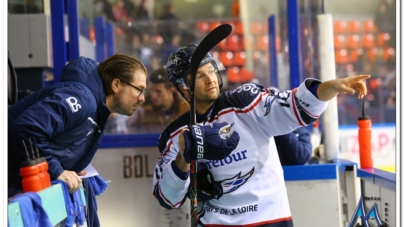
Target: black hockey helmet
[{"x": 178, "y": 66}]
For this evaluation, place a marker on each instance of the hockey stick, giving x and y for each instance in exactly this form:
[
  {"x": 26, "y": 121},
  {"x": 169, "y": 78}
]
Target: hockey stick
[{"x": 210, "y": 41}]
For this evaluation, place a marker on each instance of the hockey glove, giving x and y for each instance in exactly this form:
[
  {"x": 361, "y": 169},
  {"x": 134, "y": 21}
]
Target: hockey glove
[
  {"x": 208, "y": 188},
  {"x": 206, "y": 142}
]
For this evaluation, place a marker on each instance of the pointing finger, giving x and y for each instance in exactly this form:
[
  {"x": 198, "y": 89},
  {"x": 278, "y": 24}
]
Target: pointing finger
[{"x": 362, "y": 77}]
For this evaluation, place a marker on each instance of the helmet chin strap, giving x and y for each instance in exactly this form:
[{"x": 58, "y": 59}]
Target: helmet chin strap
[
  {"x": 185, "y": 97},
  {"x": 219, "y": 79},
  {"x": 182, "y": 94}
]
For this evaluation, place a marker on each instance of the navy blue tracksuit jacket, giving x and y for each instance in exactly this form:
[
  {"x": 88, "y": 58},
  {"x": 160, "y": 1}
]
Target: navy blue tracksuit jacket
[
  {"x": 67, "y": 120},
  {"x": 294, "y": 148}
]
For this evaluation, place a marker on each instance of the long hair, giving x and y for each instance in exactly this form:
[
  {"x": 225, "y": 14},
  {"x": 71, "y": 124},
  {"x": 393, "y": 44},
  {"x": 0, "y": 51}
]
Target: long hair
[{"x": 119, "y": 66}]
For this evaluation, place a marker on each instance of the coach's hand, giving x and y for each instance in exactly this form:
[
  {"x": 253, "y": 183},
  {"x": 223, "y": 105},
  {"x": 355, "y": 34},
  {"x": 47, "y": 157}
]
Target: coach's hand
[
  {"x": 214, "y": 142},
  {"x": 71, "y": 179}
]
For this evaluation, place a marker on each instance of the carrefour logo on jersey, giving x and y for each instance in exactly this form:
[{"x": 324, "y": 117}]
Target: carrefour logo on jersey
[{"x": 228, "y": 160}]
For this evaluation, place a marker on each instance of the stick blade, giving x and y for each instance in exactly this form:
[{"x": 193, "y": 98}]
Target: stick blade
[{"x": 211, "y": 40}]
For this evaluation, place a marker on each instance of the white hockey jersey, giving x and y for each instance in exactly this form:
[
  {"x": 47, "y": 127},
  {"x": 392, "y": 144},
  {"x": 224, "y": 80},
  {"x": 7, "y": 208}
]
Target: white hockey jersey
[{"x": 254, "y": 192}]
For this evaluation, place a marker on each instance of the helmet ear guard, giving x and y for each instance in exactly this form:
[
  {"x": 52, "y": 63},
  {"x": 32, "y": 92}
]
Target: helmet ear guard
[{"x": 184, "y": 85}]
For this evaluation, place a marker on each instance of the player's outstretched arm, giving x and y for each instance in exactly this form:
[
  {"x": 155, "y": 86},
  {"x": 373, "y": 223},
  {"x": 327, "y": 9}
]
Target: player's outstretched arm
[{"x": 329, "y": 89}]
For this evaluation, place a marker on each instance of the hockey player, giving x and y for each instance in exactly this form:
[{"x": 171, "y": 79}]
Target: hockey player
[{"x": 244, "y": 187}]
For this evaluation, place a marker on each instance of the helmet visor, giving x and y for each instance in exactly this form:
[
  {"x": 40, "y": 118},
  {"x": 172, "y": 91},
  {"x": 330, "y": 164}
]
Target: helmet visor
[
  {"x": 217, "y": 65},
  {"x": 215, "y": 62}
]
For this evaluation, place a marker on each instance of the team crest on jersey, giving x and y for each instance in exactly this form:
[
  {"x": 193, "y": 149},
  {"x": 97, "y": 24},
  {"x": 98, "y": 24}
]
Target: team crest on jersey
[
  {"x": 225, "y": 131},
  {"x": 231, "y": 184}
]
